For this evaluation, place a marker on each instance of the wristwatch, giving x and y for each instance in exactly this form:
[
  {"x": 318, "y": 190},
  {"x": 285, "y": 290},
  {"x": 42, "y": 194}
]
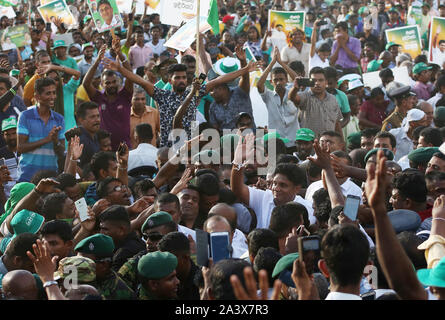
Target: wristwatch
[
  {"x": 238, "y": 166},
  {"x": 50, "y": 283}
]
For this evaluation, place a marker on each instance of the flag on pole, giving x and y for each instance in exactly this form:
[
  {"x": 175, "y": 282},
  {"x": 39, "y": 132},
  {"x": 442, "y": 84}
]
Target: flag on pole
[{"x": 213, "y": 18}]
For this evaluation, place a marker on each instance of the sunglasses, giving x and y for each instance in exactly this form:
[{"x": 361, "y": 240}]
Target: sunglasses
[{"x": 153, "y": 237}]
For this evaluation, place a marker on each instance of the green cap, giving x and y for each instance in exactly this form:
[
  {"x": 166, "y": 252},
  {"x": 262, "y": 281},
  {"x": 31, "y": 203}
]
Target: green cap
[
  {"x": 100, "y": 245},
  {"x": 18, "y": 191},
  {"x": 354, "y": 139},
  {"x": 305, "y": 134},
  {"x": 157, "y": 265},
  {"x": 434, "y": 277},
  {"x": 156, "y": 219},
  {"x": 9, "y": 123},
  {"x": 86, "y": 269},
  {"x": 393, "y": 10},
  {"x": 14, "y": 73},
  {"x": 390, "y": 44},
  {"x": 422, "y": 155},
  {"x": 388, "y": 154},
  {"x": 205, "y": 153},
  {"x": 374, "y": 65},
  {"x": 439, "y": 113},
  {"x": 86, "y": 45},
  {"x": 285, "y": 263},
  {"x": 229, "y": 140},
  {"x": 86, "y": 18},
  {"x": 275, "y": 135},
  {"x": 419, "y": 67},
  {"x": 59, "y": 43},
  {"x": 26, "y": 221}
]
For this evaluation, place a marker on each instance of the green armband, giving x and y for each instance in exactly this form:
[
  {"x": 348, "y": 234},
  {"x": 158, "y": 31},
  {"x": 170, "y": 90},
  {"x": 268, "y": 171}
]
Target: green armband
[{"x": 13, "y": 91}]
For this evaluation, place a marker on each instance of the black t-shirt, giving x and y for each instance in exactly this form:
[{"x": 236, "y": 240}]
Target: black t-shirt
[{"x": 5, "y": 153}]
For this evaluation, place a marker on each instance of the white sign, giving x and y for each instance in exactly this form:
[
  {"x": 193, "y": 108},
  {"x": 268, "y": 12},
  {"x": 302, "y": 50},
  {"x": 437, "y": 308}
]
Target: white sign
[
  {"x": 174, "y": 12},
  {"x": 372, "y": 79},
  {"x": 7, "y": 11}
]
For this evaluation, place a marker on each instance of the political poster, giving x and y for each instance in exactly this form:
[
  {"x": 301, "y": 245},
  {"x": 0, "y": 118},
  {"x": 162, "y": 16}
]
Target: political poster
[
  {"x": 281, "y": 25},
  {"x": 408, "y": 37},
  {"x": 436, "y": 48},
  {"x": 372, "y": 79},
  {"x": 153, "y": 6},
  {"x": 57, "y": 9},
  {"x": 186, "y": 35},
  {"x": 105, "y": 14},
  {"x": 174, "y": 12},
  {"x": 15, "y": 37}
]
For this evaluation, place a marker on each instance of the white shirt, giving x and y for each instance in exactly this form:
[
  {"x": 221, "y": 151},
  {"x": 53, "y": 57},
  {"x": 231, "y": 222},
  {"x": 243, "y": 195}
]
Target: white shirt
[
  {"x": 143, "y": 155},
  {"x": 316, "y": 61},
  {"x": 347, "y": 188},
  {"x": 159, "y": 48},
  {"x": 438, "y": 56},
  {"x": 290, "y": 54},
  {"x": 282, "y": 115},
  {"x": 342, "y": 296},
  {"x": 404, "y": 144},
  {"x": 433, "y": 100},
  {"x": 262, "y": 203},
  {"x": 404, "y": 162},
  {"x": 187, "y": 231},
  {"x": 239, "y": 244}
]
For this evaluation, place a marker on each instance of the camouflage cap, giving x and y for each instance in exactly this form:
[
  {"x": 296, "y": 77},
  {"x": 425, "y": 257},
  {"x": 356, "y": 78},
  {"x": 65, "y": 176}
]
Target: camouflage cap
[
  {"x": 100, "y": 245},
  {"x": 86, "y": 269}
]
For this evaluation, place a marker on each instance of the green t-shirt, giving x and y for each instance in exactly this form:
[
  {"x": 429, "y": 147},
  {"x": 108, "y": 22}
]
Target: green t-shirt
[
  {"x": 343, "y": 102},
  {"x": 69, "y": 62}
]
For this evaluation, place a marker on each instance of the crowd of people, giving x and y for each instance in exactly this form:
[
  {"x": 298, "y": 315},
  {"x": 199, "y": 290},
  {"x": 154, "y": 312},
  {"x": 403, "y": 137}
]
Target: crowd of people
[{"x": 117, "y": 153}]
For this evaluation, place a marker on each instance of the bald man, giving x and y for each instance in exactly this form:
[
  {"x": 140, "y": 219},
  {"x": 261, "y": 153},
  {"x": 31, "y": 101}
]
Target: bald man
[
  {"x": 21, "y": 285},
  {"x": 239, "y": 241},
  {"x": 388, "y": 60},
  {"x": 429, "y": 111},
  {"x": 81, "y": 292}
]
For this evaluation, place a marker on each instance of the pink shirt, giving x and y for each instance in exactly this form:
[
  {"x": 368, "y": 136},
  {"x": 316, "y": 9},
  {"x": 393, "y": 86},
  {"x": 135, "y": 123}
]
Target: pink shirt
[
  {"x": 423, "y": 91},
  {"x": 140, "y": 56}
]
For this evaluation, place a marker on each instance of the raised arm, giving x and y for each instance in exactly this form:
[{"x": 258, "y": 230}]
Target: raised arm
[
  {"x": 395, "y": 264},
  {"x": 177, "y": 120},
  {"x": 230, "y": 76},
  {"x": 314, "y": 37},
  {"x": 237, "y": 177},
  {"x": 88, "y": 79},
  {"x": 244, "y": 83},
  {"x": 263, "y": 78},
  {"x": 116, "y": 43},
  {"x": 116, "y": 66},
  {"x": 293, "y": 94}
]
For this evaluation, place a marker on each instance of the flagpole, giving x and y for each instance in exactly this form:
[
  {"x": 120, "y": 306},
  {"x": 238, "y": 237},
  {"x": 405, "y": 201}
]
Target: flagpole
[{"x": 198, "y": 12}]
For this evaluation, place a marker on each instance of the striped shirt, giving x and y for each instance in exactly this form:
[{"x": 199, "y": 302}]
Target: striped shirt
[{"x": 43, "y": 158}]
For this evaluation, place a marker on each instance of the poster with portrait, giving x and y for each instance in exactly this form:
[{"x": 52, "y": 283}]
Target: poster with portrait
[
  {"x": 436, "y": 47},
  {"x": 15, "y": 37},
  {"x": 186, "y": 35},
  {"x": 282, "y": 23},
  {"x": 105, "y": 14},
  {"x": 408, "y": 37},
  {"x": 57, "y": 9},
  {"x": 174, "y": 12}
]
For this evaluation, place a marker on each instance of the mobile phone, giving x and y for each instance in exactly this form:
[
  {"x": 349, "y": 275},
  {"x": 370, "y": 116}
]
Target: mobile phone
[
  {"x": 130, "y": 17},
  {"x": 48, "y": 26},
  {"x": 202, "y": 248},
  {"x": 202, "y": 77},
  {"x": 309, "y": 252},
  {"x": 2, "y": 162},
  {"x": 306, "y": 82},
  {"x": 322, "y": 22},
  {"x": 351, "y": 207},
  {"x": 122, "y": 148},
  {"x": 219, "y": 246},
  {"x": 81, "y": 206}
]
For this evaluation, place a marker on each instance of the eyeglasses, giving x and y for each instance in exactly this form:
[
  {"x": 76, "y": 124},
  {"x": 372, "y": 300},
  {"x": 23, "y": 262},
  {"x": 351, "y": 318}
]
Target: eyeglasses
[
  {"x": 153, "y": 237},
  {"x": 120, "y": 188}
]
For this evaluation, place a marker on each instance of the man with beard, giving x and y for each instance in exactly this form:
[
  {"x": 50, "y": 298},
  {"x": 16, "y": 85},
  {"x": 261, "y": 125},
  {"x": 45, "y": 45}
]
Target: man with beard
[
  {"x": 9, "y": 132},
  {"x": 88, "y": 118},
  {"x": 304, "y": 142},
  {"x": 283, "y": 115},
  {"x": 87, "y": 62},
  {"x": 114, "y": 103}
]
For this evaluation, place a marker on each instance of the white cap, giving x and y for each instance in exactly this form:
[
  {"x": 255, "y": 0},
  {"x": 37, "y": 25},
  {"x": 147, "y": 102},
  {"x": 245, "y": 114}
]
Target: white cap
[
  {"x": 412, "y": 115},
  {"x": 356, "y": 83}
]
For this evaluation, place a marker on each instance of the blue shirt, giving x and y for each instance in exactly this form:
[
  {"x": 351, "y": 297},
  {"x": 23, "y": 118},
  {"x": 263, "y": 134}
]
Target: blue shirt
[{"x": 44, "y": 158}]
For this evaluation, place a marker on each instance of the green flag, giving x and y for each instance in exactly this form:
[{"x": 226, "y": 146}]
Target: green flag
[
  {"x": 5, "y": 3},
  {"x": 213, "y": 18}
]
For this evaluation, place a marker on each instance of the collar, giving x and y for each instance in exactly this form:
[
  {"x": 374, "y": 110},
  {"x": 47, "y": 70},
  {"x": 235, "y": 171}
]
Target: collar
[
  {"x": 342, "y": 296},
  {"x": 147, "y": 110},
  {"x": 36, "y": 113}
]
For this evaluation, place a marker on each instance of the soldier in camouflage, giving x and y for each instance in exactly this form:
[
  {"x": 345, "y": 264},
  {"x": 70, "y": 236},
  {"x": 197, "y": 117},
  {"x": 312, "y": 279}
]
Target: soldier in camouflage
[{"x": 99, "y": 248}]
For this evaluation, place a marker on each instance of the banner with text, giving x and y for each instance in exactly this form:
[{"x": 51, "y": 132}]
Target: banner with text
[
  {"x": 282, "y": 23},
  {"x": 174, "y": 12},
  {"x": 408, "y": 38},
  {"x": 184, "y": 36},
  {"x": 436, "y": 47},
  {"x": 57, "y": 9}
]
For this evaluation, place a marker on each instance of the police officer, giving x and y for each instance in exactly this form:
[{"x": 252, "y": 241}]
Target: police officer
[
  {"x": 99, "y": 248},
  {"x": 404, "y": 102},
  {"x": 157, "y": 271}
]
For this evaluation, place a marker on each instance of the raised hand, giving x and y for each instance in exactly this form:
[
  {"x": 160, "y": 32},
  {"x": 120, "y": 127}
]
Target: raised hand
[
  {"x": 323, "y": 159},
  {"x": 139, "y": 206},
  {"x": 44, "y": 264},
  {"x": 122, "y": 159},
  {"x": 376, "y": 183},
  {"x": 47, "y": 185},
  {"x": 251, "y": 293},
  {"x": 116, "y": 45},
  {"x": 439, "y": 207},
  {"x": 110, "y": 64},
  {"x": 102, "y": 51},
  {"x": 100, "y": 206},
  {"x": 5, "y": 175},
  {"x": 76, "y": 148},
  {"x": 252, "y": 66},
  {"x": 240, "y": 53},
  {"x": 303, "y": 283},
  {"x": 182, "y": 183}
]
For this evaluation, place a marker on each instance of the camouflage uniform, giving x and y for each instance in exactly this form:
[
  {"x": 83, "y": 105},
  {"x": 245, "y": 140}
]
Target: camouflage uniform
[
  {"x": 114, "y": 288},
  {"x": 129, "y": 271}
]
